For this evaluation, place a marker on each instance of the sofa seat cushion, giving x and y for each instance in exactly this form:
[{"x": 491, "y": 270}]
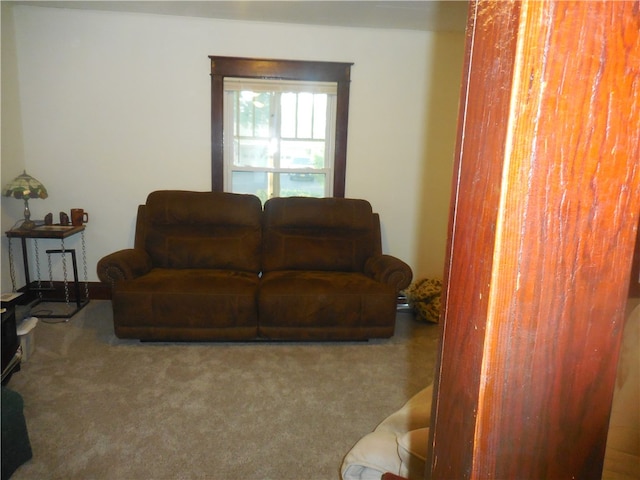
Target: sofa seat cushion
[
  {"x": 193, "y": 301},
  {"x": 318, "y": 305}
]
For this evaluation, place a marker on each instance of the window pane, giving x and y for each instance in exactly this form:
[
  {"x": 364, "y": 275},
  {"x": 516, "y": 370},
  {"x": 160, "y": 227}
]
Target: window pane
[
  {"x": 252, "y": 152},
  {"x": 256, "y": 183},
  {"x": 302, "y": 184},
  {"x": 290, "y": 150},
  {"x": 262, "y": 109},
  {"x": 245, "y": 114},
  {"x": 288, "y": 115},
  {"x": 305, "y": 115},
  {"x": 319, "y": 116}
]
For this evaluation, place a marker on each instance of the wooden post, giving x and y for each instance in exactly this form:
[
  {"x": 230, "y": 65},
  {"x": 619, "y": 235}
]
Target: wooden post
[{"x": 545, "y": 206}]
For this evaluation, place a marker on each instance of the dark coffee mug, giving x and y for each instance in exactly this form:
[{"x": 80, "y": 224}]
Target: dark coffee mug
[{"x": 78, "y": 217}]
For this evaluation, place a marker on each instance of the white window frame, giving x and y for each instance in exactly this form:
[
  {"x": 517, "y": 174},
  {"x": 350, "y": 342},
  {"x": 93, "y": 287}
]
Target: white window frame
[{"x": 233, "y": 84}]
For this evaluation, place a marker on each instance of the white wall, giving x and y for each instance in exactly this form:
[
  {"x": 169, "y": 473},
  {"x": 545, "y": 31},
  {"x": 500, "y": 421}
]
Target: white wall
[{"x": 105, "y": 107}]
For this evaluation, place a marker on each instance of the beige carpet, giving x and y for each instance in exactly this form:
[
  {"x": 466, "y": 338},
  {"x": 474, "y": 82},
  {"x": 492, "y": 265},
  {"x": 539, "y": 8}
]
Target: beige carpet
[{"x": 102, "y": 408}]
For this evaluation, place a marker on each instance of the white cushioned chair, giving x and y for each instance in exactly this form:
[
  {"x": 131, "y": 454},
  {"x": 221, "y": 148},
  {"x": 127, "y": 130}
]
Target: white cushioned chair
[{"x": 398, "y": 445}]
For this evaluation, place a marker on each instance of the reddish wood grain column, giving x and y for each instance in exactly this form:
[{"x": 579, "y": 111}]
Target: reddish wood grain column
[{"x": 543, "y": 224}]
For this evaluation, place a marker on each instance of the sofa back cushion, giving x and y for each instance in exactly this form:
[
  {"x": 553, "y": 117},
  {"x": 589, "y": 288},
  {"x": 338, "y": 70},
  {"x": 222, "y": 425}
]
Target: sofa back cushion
[
  {"x": 203, "y": 230},
  {"x": 326, "y": 234}
]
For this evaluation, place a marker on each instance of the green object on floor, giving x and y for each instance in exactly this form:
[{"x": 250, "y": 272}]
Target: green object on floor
[{"x": 16, "y": 448}]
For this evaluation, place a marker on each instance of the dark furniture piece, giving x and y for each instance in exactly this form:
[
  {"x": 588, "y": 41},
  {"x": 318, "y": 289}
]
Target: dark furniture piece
[
  {"x": 11, "y": 353},
  {"x": 16, "y": 447},
  {"x": 392, "y": 476},
  {"x": 324, "y": 276},
  {"x": 36, "y": 290},
  {"x": 215, "y": 266}
]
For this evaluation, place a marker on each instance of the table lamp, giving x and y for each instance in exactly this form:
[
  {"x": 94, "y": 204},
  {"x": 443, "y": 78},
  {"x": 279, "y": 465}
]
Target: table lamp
[{"x": 24, "y": 187}]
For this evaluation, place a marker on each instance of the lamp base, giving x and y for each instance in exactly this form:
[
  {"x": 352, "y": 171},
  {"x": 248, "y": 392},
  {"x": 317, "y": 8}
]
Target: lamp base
[{"x": 28, "y": 225}]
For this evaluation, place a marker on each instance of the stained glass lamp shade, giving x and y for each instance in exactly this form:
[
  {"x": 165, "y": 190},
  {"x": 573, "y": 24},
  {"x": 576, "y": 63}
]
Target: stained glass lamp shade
[{"x": 24, "y": 187}]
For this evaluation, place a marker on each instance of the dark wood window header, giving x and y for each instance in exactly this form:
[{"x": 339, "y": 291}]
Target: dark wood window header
[{"x": 285, "y": 69}]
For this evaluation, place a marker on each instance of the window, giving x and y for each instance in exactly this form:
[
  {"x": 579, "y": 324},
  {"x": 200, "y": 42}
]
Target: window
[
  {"x": 279, "y": 137},
  {"x": 279, "y": 127}
]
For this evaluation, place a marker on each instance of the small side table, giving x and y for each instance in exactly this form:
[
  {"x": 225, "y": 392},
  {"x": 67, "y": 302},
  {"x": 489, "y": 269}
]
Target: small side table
[{"x": 59, "y": 232}]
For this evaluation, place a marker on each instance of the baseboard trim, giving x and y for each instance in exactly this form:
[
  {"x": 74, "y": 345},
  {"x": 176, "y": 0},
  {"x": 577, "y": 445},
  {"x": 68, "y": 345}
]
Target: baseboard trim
[{"x": 55, "y": 290}]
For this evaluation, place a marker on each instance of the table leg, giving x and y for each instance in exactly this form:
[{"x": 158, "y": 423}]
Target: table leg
[{"x": 25, "y": 261}]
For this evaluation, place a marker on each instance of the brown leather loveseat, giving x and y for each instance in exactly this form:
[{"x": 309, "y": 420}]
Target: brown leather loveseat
[{"x": 210, "y": 266}]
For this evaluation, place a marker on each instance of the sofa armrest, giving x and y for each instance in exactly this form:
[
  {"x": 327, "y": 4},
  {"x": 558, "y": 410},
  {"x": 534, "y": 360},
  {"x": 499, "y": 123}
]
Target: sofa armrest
[
  {"x": 390, "y": 270},
  {"x": 124, "y": 264}
]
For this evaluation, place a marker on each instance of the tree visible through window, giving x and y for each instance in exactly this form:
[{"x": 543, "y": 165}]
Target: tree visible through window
[{"x": 279, "y": 127}]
